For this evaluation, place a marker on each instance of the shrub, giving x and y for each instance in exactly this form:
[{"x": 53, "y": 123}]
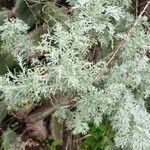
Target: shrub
[{"x": 115, "y": 85}]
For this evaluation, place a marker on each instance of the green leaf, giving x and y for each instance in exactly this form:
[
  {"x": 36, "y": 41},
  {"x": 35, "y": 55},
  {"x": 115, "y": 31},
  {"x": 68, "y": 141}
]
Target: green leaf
[
  {"x": 55, "y": 144},
  {"x": 9, "y": 137},
  {"x": 3, "y": 112}
]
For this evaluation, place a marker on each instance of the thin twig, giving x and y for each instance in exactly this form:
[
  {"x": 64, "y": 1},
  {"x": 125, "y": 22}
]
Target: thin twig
[
  {"x": 84, "y": 137},
  {"x": 121, "y": 43},
  {"x": 136, "y": 8},
  {"x": 31, "y": 11}
]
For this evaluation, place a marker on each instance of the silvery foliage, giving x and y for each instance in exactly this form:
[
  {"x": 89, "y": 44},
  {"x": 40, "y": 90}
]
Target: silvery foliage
[
  {"x": 14, "y": 37},
  {"x": 69, "y": 75}
]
